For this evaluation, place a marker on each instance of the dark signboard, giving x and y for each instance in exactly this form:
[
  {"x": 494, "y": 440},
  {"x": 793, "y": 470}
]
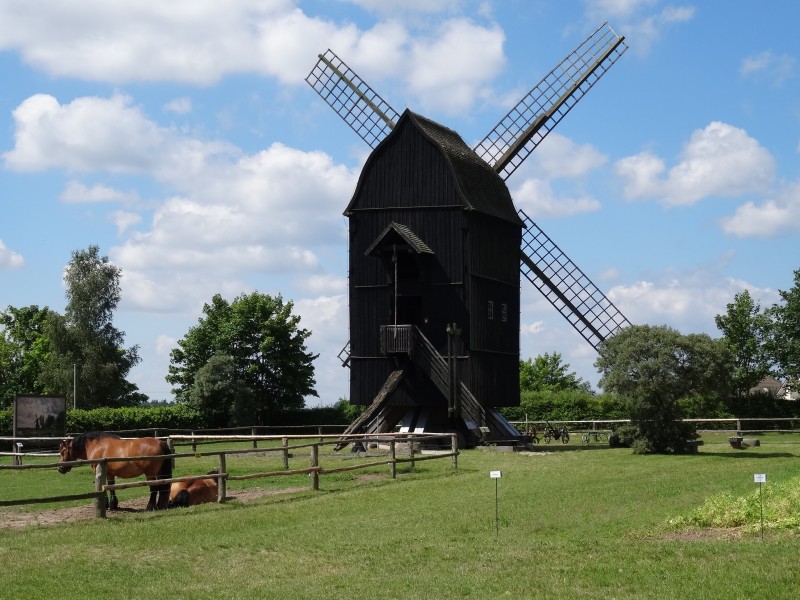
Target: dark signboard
[{"x": 40, "y": 416}]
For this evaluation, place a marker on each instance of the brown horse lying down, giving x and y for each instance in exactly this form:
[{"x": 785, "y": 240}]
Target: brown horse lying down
[{"x": 189, "y": 493}]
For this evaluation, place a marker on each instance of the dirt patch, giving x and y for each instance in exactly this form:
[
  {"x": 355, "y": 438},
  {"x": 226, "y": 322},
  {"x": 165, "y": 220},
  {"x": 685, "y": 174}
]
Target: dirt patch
[
  {"x": 703, "y": 535},
  {"x": 18, "y": 519}
]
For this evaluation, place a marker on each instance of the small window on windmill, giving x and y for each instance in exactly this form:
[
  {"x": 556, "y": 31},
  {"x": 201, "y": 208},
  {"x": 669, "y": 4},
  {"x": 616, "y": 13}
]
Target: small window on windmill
[
  {"x": 504, "y": 312},
  {"x": 491, "y": 310}
]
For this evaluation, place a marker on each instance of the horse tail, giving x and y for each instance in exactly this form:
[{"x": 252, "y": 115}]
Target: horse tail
[{"x": 169, "y": 463}]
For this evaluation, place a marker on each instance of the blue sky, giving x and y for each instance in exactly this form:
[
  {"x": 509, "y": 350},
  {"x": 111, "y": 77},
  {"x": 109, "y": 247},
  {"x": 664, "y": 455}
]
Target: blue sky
[{"x": 182, "y": 139}]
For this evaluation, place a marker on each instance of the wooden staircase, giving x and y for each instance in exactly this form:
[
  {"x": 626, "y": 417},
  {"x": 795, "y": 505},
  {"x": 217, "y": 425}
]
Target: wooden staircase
[{"x": 381, "y": 417}]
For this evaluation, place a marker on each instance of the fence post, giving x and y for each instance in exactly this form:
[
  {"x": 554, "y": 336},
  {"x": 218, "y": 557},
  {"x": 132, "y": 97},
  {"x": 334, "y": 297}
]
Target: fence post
[
  {"x": 319, "y": 432},
  {"x": 454, "y": 449},
  {"x": 285, "y": 444},
  {"x": 393, "y": 460},
  {"x": 255, "y": 441},
  {"x": 194, "y": 444},
  {"x": 222, "y": 481},
  {"x": 411, "y": 451},
  {"x": 315, "y": 467},
  {"x": 100, "y": 478}
]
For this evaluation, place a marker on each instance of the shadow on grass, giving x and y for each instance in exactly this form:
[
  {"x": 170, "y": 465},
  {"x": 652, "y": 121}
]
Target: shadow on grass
[
  {"x": 565, "y": 447},
  {"x": 746, "y": 454}
]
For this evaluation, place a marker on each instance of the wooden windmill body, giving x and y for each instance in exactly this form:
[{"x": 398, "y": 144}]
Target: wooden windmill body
[{"x": 436, "y": 250}]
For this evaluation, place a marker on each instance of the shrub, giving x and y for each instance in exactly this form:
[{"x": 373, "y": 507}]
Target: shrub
[
  {"x": 565, "y": 405},
  {"x": 6, "y": 421},
  {"x": 171, "y": 416}
]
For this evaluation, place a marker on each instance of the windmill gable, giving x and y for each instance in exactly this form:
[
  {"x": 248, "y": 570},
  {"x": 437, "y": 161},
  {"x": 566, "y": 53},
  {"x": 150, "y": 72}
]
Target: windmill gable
[{"x": 431, "y": 166}]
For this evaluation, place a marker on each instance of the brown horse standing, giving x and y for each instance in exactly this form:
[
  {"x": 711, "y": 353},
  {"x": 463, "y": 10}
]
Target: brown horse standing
[{"x": 93, "y": 446}]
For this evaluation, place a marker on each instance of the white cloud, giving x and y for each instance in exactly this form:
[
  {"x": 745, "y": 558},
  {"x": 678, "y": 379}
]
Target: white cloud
[
  {"x": 637, "y": 20},
  {"x": 179, "y": 106},
  {"x": 767, "y": 65},
  {"x": 688, "y": 301},
  {"x": 124, "y": 220},
  {"x": 557, "y": 157},
  {"x": 325, "y": 315},
  {"x": 10, "y": 259},
  {"x": 191, "y": 41},
  {"x": 232, "y": 214},
  {"x": 393, "y": 7},
  {"x": 779, "y": 216},
  {"x": 94, "y": 134},
  {"x": 201, "y": 41},
  {"x": 165, "y": 344},
  {"x": 451, "y": 69},
  {"x": 720, "y": 160},
  {"x": 537, "y": 198},
  {"x": 322, "y": 284},
  {"x": 78, "y": 193},
  {"x": 534, "y": 328}
]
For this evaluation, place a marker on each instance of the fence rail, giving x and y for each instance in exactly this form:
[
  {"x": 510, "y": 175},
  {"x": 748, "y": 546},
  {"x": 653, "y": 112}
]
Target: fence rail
[
  {"x": 411, "y": 441},
  {"x": 737, "y": 421}
]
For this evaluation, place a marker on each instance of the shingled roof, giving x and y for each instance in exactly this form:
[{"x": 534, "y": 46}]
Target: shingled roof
[
  {"x": 398, "y": 232},
  {"x": 480, "y": 186}
]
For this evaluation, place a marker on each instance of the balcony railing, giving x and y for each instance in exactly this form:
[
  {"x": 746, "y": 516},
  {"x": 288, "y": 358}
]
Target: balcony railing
[{"x": 397, "y": 339}]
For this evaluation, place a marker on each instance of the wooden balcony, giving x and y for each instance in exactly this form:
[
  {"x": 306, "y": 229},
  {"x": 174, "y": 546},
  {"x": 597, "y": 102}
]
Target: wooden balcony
[{"x": 397, "y": 339}]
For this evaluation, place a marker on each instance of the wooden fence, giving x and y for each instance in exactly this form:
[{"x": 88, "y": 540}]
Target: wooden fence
[
  {"x": 410, "y": 442},
  {"x": 757, "y": 424}
]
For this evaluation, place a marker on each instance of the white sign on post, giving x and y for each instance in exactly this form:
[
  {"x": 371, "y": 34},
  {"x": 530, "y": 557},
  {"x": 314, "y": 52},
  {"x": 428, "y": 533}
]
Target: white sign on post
[
  {"x": 495, "y": 474},
  {"x": 760, "y": 478}
]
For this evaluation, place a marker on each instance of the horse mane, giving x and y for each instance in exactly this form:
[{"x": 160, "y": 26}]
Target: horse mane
[{"x": 79, "y": 441}]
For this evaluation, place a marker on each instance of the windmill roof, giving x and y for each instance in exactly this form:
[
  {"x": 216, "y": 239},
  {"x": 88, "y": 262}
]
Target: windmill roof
[
  {"x": 397, "y": 230},
  {"x": 481, "y": 187}
]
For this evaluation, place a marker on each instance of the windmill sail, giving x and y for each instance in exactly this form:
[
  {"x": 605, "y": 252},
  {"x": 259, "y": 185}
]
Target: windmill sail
[
  {"x": 528, "y": 123},
  {"x": 567, "y": 288},
  {"x": 358, "y": 104}
]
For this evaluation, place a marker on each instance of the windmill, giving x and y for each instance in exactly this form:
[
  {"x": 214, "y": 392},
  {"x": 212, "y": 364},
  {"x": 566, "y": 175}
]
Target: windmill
[{"x": 437, "y": 250}]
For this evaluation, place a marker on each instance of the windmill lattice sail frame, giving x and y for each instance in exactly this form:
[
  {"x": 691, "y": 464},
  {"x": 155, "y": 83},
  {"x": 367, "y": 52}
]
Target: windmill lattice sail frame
[
  {"x": 546, "y": 104},
  {"x": 361, "y": 107},
  {"x": 590, "y": 312}
]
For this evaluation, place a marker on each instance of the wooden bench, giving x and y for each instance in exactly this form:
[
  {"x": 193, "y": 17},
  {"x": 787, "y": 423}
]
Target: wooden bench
[{"x": 693, "y": 445}]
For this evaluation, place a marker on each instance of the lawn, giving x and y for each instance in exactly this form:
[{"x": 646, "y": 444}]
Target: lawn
[{"x": 574, "y": 521}]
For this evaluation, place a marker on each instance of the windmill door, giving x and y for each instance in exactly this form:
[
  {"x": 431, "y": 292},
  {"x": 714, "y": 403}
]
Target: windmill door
[{"x": 404, "y": 256}]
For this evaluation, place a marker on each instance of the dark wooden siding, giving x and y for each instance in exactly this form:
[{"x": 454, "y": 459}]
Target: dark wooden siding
[{"x": 475, "y": 259}]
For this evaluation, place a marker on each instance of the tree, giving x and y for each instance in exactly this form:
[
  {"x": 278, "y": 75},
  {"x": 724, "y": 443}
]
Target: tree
[
  {"x": 85, "y": 339},
  {"x": 654, "y": 368},
  {"x": 546, "y": 372},
  {"x": 746, "y": 330},
  {"x": 218, "y": 394},
  {"x": 262, "y": 339},
  {"x": 785, "y": 342},
  {"x": 23, "y": 350}
]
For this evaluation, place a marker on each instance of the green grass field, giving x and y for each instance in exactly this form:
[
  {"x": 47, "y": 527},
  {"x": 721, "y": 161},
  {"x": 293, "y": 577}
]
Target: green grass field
[{"x": 581, "y": 521}]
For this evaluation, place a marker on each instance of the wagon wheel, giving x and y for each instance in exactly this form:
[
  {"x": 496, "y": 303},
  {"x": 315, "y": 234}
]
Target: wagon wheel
[{"x": 547, "y": 437}]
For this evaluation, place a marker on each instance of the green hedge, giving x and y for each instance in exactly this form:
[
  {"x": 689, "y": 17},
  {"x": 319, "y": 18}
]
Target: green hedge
[
  {"x": 174, "y": 416},
  {"x": 566, "y": 405},
  {"x": 6, "y": 421},
  {"x": 177, "y": 416}
]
